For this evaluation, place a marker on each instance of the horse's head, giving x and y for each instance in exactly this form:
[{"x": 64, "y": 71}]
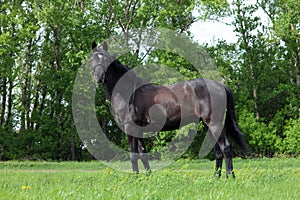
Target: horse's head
[{"x": 100, "y": 60}]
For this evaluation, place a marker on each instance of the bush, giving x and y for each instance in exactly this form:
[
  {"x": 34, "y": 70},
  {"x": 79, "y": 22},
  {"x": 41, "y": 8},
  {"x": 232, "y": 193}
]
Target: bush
[
  {"x": 261, "y": 137},
  {"x": 290, "y": 144}
]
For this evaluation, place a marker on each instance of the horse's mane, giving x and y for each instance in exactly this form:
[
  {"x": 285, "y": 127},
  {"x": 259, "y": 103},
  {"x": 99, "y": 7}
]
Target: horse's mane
[{"x": 114, "y": 72}]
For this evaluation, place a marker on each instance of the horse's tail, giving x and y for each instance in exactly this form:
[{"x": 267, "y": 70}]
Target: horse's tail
[{"x": 231, "y": 125}]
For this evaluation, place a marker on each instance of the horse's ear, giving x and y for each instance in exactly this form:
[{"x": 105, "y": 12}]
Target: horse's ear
[
  {"x": 105, "y": 46},
  {"x": 94, "y": 45}
]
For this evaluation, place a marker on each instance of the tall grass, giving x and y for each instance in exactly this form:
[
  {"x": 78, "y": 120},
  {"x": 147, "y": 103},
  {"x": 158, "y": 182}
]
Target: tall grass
[{"x": 256, "y": 179}]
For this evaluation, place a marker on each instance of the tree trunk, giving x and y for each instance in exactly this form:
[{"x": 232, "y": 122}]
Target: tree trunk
[
  {"x": 249, "y": 61},
  {"x": 26, "y": 84},
  {"x": 72, "y": 149},
  {"x": 36, "y": 102},
  {"x": 58, "y": 90},
  {"x": 9, "y": 103},
  {"x": 58, "y": 95},
  {"x": 3, "y": 103},
  {"x": 254, "y": 91}
]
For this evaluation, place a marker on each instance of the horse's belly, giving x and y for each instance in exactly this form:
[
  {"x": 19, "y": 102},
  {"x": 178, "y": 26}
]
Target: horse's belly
[{"x": 169, "y": 126}]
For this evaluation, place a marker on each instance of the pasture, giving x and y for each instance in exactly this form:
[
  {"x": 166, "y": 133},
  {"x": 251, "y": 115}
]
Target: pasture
[{"x": 276, "y": 178}]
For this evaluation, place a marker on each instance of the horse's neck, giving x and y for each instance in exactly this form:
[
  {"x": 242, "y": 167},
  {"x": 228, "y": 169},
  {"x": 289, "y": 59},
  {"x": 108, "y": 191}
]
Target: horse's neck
[{"x": 114, "y": 72}]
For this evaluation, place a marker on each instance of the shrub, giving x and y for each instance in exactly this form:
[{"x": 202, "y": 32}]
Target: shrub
[
  {"x": 261, "y": 137},
  {"x": 291, "y": 141}
]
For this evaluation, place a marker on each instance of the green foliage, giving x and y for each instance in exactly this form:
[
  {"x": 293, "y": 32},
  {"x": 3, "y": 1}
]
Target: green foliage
[
  {"x": 291, "y": 138},
  {"x": 269, "y": 139},
  {"x": 43, "y": 44},
  {"x": 261, "y": 137}
]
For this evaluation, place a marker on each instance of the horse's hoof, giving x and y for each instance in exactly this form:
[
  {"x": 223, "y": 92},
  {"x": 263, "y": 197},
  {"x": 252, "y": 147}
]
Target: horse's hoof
[
  {"x": 135, "y": 175},
  {"x": 230, "y": 174},
  {"x": 217, "y": 173},
  {"x": 233, "y": 175},
  {"x": 148, "y": 172}
]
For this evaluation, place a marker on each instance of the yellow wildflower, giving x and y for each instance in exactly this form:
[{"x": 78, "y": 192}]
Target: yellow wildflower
[{"x": 26, "y": 187}]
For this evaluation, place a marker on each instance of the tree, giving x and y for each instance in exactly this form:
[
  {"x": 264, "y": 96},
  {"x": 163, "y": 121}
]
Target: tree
[
  {"x": 285, "y": 17},
  {"x": 262, "y": 70},
  {"x": 43, "y": 44}
]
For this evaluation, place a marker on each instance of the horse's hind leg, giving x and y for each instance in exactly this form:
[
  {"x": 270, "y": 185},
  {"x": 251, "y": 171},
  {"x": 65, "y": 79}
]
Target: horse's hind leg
[
  {"x": 226, "y": 149},
  {"x": 143, "y": 154},
  {"x": 222, "y": 147},
  {"x": 228, "y": 159},
  {"x": 219, "y": 160}
]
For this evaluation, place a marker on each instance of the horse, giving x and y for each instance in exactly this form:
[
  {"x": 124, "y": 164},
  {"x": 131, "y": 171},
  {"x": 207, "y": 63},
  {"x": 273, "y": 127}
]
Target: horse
[{"x": 179, "y": 104}]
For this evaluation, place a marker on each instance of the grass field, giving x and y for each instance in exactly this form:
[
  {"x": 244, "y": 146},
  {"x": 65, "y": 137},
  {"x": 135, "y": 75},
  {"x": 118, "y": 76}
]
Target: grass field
[{"x": 256, "y": 179}]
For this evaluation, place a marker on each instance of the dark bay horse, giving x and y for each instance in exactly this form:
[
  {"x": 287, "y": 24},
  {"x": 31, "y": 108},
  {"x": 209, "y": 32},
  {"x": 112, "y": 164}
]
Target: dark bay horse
[{"x": 140, "y": 106}]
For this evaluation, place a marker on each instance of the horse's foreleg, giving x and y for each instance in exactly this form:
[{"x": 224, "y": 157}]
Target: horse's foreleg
[
  {"x": 134, "y": 155},
  {"x": 143, "y": 154},
  {"x": 219, "y": 160}
]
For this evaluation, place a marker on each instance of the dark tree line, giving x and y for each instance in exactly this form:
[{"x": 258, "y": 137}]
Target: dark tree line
[{"x": 43, "y": 44}]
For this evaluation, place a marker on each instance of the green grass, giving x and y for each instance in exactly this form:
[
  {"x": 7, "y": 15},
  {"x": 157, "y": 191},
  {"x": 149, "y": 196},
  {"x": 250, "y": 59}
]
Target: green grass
[{"x": 256, "y": 179}]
